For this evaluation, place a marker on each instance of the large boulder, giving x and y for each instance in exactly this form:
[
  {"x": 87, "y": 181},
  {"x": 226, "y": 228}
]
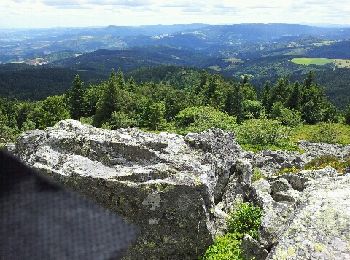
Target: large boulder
[{"x": 167, "y": 184}]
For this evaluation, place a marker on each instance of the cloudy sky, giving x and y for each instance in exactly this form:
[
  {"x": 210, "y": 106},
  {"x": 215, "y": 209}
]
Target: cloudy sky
[{"x": 77, "y": 13}]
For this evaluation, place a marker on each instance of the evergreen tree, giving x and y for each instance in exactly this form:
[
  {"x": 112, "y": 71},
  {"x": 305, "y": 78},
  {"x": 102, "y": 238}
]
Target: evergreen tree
[
  {"x": 131, "y": 84},
  {"x": 294, "y": 100},
  {"x": 120, "y": 81},
  {"x": 265, "y": 98},
  {"x": 76, "y": 99},
  {"x": 108, "y": 103}
]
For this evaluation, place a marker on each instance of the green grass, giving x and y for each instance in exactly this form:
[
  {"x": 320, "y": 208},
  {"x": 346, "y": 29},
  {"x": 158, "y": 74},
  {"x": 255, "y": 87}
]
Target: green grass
[
  {"x": 326, "y": 133},
  {"x": 312, "y": 61}
]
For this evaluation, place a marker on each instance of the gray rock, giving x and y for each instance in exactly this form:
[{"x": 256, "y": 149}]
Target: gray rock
[
  {"x": 314, "y": 150},
  {"x": 252, "y": 250},
  {"x": 270, "y": 162},
  {"x": 167, "y": 184},
  {"x": 320, "y": 226}
]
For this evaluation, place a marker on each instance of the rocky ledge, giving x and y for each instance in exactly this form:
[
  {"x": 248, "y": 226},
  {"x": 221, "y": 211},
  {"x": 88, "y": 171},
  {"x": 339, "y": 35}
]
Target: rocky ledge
[{"x": 179, "y": 189}]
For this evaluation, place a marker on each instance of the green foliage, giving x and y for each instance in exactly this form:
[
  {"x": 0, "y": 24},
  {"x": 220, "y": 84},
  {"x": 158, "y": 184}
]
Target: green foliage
[
  {"x": 341, "y": 165},
  {"x": 252, "y": 109},
  {"x": 260, "y": 134},
  {"x": 325, "y": 133},
  {"x": 245, "y": 219},
  {"x": 286, "y": 116},
  {"x": 328, "y": 160},
  {"x": 76, "y": 99},
  {"x": 339, "y": 133},
  {"x": 110, "y": 100},
  {"x": 121, "y": 120},
  {"x": 347, "y": 115},
  {"x": 48, "y": 112},
  {"x": 197, "y": 119},
  {"x": 226, "y": 247},
  {"x": 257, "y": 175},
  {"x": 155, "y": 116}
]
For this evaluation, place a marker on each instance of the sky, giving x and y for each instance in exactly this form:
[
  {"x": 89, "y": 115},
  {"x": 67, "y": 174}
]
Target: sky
[{"x": 82, "y": 13}]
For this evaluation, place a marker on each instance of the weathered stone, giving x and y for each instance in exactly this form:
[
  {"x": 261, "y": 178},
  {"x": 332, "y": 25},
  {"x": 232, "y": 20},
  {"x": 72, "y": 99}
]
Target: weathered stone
[
  {"x": 165, "y": 183},
  {"x": 252, "y": 250},
  {"x": 320, "y": 226},
  {"x": 314, "y": 150}
]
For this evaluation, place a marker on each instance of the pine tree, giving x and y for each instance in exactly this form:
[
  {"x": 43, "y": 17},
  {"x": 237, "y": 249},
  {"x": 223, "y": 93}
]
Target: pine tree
[
  {"x": 108, "y": 103},
  {"x": 265, "y": 96},
  {"x": 120, "y": 81},
  {"x": 76, "y": 99},
  {"x": 294, "y": 100}
]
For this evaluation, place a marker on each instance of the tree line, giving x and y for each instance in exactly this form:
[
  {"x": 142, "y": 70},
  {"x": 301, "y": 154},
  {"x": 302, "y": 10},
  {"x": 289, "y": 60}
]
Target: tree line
[{"x": 121, "y": 102}]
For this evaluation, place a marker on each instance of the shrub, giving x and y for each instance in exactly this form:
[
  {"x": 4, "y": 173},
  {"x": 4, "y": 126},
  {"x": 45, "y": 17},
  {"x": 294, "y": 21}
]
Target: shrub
[
  {"x": 257, "y": 175},
  {"x": 245, "y": 219},
  {"x": 224, "y": 248},
  {"x": 252, "y": 109},
  {"x": 287, "y": 116},
  {"x": 121, "y": 120},
  {"x": 326, "y": 133},
  {"x": 259, "y": 134},
  {"x": 197, "y": 119}
]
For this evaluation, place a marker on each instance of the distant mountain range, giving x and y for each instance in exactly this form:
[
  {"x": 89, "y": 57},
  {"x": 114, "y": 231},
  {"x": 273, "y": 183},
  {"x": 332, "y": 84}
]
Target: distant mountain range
[{"x": 263, "y": 51}]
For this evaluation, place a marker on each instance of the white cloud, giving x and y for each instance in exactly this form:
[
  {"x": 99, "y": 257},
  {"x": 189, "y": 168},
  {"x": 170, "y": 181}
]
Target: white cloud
[{"x": 48, "y": 13}]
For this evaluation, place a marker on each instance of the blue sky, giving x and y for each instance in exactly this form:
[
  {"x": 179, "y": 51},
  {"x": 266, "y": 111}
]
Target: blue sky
[{"x": 79, "y": 13}]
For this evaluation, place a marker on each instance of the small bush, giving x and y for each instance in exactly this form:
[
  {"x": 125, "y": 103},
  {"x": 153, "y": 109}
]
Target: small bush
[
  {"x": 121, "y": 120},
  {"x": 326, "y": 133},
  {"x": 197, "y": 119},
  {"x": 245, "y": 219},
  {"x": 257, "y": 175},
  {"x": 310, "y": 132},
  {"x": 287, "y": 116},
  {"x": 260, "y": 134},
  {"x": 226, "y": 247}
]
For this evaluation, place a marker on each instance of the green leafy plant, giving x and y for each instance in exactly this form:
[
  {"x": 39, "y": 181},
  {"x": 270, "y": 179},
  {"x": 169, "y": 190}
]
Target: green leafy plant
[
  {"x": 257, "y": 175},
  {"x": 197, "y": 119},
  {"x": 245, "y": 219},
  {"x": 326, "y": 133},
  {"x": 226, "y": 247}
]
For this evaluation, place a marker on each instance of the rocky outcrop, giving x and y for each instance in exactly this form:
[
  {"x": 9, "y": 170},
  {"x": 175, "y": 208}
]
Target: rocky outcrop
[
  {"x": 167, "y": 184},
  {"x": 306, "y": 215},
  {"x": 179, "y": 190}
]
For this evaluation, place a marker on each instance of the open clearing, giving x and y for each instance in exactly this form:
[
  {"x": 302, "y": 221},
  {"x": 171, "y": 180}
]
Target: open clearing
[
  {"x": 312, "y": 61},
  {"x": 339, "y": 63}
]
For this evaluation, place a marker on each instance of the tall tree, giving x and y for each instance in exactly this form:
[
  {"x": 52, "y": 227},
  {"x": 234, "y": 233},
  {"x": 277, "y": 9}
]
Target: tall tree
[
  {"x": 108, "y": 103},
  {"x": 76, "y": 99}
]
